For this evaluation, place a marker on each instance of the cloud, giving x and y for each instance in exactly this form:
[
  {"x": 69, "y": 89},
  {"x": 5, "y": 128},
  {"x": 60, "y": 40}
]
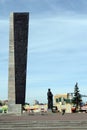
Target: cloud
[
  {"x": 49, "y": 36},
  {"x": 3, "y": 1},
  {"x": 45, "y": 7}
]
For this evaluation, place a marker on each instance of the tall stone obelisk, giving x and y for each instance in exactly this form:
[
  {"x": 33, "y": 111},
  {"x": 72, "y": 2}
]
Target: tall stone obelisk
[{"x": 18, "y": 43}]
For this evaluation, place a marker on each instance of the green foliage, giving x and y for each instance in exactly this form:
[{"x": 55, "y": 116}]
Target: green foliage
[{"x": 77, "y": 99}]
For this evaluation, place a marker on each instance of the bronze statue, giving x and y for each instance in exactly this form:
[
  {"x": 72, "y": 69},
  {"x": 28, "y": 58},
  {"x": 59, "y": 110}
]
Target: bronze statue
[{"x": 50, "y": 99}]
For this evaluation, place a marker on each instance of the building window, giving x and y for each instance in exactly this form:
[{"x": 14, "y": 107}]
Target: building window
[{"x": 57, "y": 100}]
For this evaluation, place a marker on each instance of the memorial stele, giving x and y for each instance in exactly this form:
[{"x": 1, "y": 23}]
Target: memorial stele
[{"x": 18, "y": 44}]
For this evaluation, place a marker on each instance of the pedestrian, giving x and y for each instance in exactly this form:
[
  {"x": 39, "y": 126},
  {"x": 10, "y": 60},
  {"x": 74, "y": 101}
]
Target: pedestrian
[{"x": 63, "y": 111}]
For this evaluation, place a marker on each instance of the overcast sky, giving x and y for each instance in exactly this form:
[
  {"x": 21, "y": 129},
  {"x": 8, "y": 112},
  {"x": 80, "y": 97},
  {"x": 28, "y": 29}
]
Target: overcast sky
[{"x": 57, "y": 46}]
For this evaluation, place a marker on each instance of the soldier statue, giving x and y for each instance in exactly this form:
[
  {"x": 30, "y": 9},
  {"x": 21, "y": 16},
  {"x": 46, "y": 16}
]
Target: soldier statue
[{"x": 50, "y": 99}]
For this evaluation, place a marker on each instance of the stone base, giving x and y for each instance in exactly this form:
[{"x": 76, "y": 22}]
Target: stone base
[
  {"x": 49, "y": 111},
  {"x": 15, "y": 109}
]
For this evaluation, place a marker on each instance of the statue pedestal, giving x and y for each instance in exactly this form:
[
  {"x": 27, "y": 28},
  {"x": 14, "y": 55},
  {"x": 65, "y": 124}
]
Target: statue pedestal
[{"x": 49, "y": 111}]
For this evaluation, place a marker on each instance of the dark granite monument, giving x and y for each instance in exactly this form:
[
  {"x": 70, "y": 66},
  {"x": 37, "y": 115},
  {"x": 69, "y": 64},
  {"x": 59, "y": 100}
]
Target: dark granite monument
[
  {"x": 50, "y": 99},
  {"x": 17, "y": 61}
]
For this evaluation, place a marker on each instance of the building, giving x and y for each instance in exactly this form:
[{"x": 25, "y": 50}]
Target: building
[{"x": 63, "y": 101}]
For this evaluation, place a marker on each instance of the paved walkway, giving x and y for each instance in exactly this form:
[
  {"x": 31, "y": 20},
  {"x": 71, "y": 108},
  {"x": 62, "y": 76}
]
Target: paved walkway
[
  {"x": 48, "y": 117},
  {"x": 53, "y": 116}
]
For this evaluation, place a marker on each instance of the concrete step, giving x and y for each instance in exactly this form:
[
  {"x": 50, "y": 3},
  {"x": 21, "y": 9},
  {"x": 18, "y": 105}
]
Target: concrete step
[
  {"x": 44, "y": 128},
  {"x": 43, "y": 125}
]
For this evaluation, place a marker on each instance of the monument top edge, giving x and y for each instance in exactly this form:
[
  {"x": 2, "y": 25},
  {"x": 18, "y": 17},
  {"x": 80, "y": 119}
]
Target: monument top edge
[{"x": 19, "y": 13}]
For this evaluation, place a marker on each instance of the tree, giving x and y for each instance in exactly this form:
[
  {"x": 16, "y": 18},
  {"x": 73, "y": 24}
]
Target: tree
[{"x": 77, "y": 99}]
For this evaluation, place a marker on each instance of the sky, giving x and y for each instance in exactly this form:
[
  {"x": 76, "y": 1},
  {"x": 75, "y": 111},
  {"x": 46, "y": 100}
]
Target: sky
[{"x": 57, "y": 46}]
